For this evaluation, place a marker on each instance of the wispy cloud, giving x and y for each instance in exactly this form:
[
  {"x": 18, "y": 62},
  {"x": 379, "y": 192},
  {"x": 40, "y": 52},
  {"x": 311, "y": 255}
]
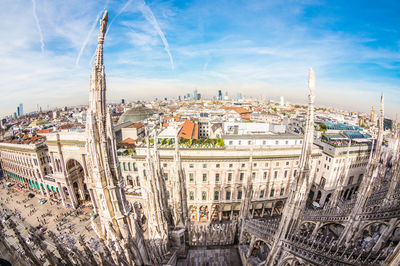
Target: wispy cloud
[
  {"x": 38, "y": 25},
  {"x": 118, "y": 14},
  {"x": 149, "y": 16},
  {"x": 85, "y": 42}
]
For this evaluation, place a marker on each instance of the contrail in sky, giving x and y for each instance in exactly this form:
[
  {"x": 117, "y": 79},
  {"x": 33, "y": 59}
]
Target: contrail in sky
[
  {"x": 149, "y": 16},
  {"x": 109, "y": 26},
  {"x": 89, "y": 34},
  {"x": 119, "y": 13},
  {"x": 38, "y": 25}
]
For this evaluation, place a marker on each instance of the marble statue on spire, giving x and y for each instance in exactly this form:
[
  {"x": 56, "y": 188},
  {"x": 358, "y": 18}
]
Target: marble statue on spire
[{"x": 301, "y": 183}]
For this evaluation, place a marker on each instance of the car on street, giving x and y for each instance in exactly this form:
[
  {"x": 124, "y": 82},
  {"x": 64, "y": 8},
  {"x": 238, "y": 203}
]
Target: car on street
[
  {"x": 31, "y": 195},
  {"x": 42, "y": 200}
]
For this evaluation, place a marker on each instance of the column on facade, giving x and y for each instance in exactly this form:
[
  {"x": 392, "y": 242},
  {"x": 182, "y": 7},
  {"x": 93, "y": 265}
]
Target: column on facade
[
  {"x": 72, "y": 196},
  {"x": 81, "y": 189},
  {"x": 262, "y": 211},
  {"x": 61, "y": 190},
  {"x": 94, "y": 202},
  {"x": 53, "y": 163}
]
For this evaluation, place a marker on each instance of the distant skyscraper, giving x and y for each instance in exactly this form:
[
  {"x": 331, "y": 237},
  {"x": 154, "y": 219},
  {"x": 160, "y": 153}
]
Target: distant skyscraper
[
  {"x": 239, "y": 96},
  {"x": 20, "y": 111},
  {"x": 123, "y": 101},
  {"x": 226, "y": 96},
  {"x": 195, "y": 95},
  {"x": 219, "y": 95},
  {"x": 282, "y": 101}
]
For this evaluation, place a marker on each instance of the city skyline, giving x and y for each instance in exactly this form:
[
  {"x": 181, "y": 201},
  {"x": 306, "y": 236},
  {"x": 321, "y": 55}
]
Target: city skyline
[{"x": 163, "y": 49}]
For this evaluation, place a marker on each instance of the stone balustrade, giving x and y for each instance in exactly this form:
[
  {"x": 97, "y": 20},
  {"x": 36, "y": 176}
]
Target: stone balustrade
[
  {"x": 326, "y": 251},
  {"x": 263, "y": 228}
]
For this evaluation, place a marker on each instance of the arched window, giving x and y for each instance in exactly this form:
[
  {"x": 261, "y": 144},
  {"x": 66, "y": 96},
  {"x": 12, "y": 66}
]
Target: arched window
[
  {"x": 216, "y": 195},
  {"x": 322, "y": 182}
]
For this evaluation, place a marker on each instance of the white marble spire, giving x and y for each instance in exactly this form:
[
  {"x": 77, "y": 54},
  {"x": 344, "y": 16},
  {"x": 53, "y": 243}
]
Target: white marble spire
[{"x": 103, "y": 165}]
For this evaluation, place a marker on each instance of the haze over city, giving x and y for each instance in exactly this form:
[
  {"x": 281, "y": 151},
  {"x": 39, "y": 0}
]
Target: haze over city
[{"x": 168, "y": 48}]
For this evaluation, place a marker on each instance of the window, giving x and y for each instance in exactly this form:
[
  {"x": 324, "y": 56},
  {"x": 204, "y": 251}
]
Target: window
[
  {"x": 217, "y": 165},
  {"x": 204, "y": 165},
  {"x": 243, "y": 165},
  {"x": 322, "y": 182},
  {"x": 360, "y": 178},
  {"x": 216, "y": 195},
  {"x": 262, "y": 193},
  {"x": 165, "y": 165},
  {"x": 253, "y": 175},
  {"x": 350, "y": 180},
  {"x": 277, "y": 164},
  {"x": 124, "y": 166},
  {"x": 191, "y": 195},
  {"x": 230, "y": 165},
  {"x": 166, "y": 176},
  {"x": 282, "y": 191},
  {"x": 241, "y": 177},
  {"x": 217, "y": 177},
  {"x": 265, "y": 175},
  {"x": 264, "y": 142},
  {"x": 228, "y": 195},
  {"x": 229, "y": 177},
  {"x": 295, "y": 172},
  {"x": 255, "y": 164},
  {"x": 272, "y": 192},
  {"x": 167, "y": 194},
  {"x": 286, "y": 172},
  {"x": 239, "y": 196},
  {"x": 287, "y": 163},
  {"x": 203, "y": 195},
  {"x": 287, "y": 142},
  {"x": 266, "y": 164},
  {"x": 204, "y": 177},
  {"x": 275, "y": 174},
  {"x": 276, "y": 142},
  {"x": 230, "y": 142},
  {"x": 191, "y": 165},
  {"x": 191, "y": 177}
]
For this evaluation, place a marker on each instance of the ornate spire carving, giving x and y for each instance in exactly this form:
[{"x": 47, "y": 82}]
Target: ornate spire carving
[{"x": 103, "y": 165}]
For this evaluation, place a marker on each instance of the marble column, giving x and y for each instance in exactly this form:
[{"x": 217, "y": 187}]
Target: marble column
[
  {"x": 72, "y": 197},
  {"x": 93, "y": 199},
  {"x": 61, "y": 190}
]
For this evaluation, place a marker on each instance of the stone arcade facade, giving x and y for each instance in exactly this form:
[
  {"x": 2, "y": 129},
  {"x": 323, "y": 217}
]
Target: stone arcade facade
[{"x": 256, "y": 199}]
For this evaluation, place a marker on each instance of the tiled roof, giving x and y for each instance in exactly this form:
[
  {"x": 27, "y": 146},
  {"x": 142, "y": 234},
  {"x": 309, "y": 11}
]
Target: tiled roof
[
  {"x": 128, "y": 141},
  {"x": 239, "y": 110},
  {"x": 136, "y": 125},
  {"x": 189, "y": 130}
]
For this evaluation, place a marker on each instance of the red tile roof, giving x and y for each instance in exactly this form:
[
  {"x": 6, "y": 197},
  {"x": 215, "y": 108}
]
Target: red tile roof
[
  {"x": 44, "y": 131},
  {"x": 128, "y": 141},
  {"x": 239, "y": 110},
  {"x": 136, "y": 125},
  {"x": 189, "y": 130}
]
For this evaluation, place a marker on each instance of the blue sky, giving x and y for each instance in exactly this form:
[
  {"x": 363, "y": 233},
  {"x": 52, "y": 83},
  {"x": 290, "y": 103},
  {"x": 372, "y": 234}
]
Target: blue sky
[{"x": 168, "y": 48}]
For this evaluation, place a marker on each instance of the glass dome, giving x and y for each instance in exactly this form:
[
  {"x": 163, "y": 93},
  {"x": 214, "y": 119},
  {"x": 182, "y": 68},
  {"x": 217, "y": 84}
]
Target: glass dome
[{"x": 135, "y": 114}]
